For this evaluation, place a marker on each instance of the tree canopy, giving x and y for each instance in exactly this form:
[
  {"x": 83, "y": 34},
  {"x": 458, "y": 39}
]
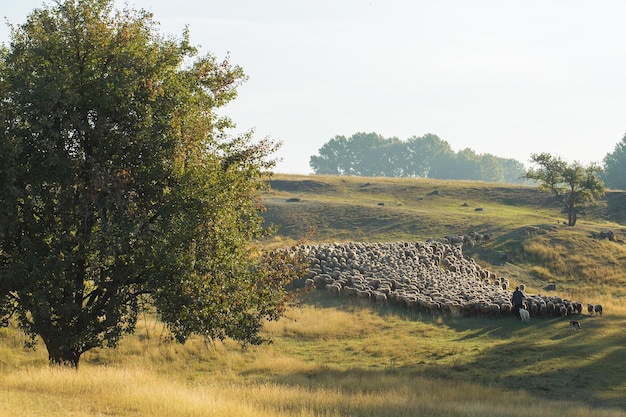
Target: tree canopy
[
  {"x": 573, "y": 184},
  {"x": 120, "y": 185},
  {"x": 370, "y": 154},
  {"x": 615, "y": 166}
]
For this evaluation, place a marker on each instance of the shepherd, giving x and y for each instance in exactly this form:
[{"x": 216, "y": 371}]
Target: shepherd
[{"x": 516, "y": 300}]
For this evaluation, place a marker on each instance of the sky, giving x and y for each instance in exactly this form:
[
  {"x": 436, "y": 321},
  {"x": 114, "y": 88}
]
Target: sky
[{"x": 504, "y": 77}]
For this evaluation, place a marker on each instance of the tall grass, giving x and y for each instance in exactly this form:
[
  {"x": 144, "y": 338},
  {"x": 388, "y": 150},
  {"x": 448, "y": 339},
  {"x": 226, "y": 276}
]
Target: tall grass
[
  {"x": 332, "y": 358},
  {"x": 102, "y": 391},
  {"x": 335, "y": 357}
]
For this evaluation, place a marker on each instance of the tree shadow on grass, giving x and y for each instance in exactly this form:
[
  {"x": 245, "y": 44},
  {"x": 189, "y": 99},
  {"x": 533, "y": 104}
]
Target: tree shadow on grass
[{"x": 544, "y": 357}]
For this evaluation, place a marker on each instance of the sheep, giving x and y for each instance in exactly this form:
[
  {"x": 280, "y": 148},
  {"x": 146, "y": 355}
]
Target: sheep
[
  {"x": 524, "y": 315},
  {"x": 598, "y": 309},
  {"x": 350, "y": 291},
  {"x": 363, "y": 293},
  {"x": 334, "y": 288},
  {"x": 532, "y": 230},
  {"x": 492, "y": 310},
  {"x": 319, "y": 281},
  {"x": 506, "y": 307},
  {"x": 578, "y": 307},
  {"x": 381, "y": 298},
  {"x": 428, "y": 276}
]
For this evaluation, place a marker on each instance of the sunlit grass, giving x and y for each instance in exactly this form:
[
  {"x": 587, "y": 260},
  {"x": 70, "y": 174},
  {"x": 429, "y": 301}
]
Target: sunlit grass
[
  {"x": 332, "y": 359},
  {"x": 339, "y": 357}
]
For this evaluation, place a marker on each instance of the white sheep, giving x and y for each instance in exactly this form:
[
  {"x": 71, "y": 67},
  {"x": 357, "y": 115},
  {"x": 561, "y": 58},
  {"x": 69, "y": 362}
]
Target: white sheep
[{"x": 524, "y": 315}]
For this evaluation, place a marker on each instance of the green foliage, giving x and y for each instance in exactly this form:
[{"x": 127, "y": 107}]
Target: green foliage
[
  {"x": 371, "y": 155},
  {"x": 428, "y": 157},
  {"x": 120, "y": 184},
  {"x": 573, "y": 184},
  {"x": 615, "y": 166}
]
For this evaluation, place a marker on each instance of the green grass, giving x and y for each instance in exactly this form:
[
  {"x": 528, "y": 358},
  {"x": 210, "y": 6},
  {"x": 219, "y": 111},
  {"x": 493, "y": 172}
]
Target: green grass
[
  {"x": 334, "y": 357},
  {"x": 349, "y": 208}
]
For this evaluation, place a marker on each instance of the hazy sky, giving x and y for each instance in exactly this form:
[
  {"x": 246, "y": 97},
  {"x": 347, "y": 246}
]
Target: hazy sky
[{"x": 506, "y": 77}]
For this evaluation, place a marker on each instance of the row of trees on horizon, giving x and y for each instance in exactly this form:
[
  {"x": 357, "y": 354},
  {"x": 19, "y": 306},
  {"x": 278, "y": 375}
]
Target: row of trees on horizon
[{"x": 428, "y": 156}]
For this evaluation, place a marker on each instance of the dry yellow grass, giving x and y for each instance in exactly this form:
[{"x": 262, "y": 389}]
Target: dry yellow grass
[
  {"x": 148, "y": 378},
  {"x": 331, "y": 357}
]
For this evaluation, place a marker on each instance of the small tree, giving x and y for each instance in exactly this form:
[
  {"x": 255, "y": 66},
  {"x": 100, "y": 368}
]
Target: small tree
[
  {"x": 573, "y": 184},
  {"x": 119, "y": 184}
]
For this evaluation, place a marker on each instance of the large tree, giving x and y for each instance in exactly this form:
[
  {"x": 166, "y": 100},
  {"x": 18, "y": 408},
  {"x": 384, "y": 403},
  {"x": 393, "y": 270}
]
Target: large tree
[
  {"x": 120, "y": 185},
  {"x": 428, "y": 157},
  {"x": 333, "y": 158},
  {"x": 572, "y": 184}
]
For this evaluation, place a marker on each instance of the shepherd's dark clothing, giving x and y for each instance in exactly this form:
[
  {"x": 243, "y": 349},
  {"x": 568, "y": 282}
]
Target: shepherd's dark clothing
[{"x": 516, "y": 300}]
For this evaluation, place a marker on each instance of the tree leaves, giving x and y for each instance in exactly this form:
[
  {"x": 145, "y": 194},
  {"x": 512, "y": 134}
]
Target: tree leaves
[
  {"x": 573, "y": 184},
  {"x": 121, "y": 184},
  {"x": 369, "y": 154}
]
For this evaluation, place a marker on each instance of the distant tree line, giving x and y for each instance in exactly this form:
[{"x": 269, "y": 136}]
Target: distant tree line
[
  {"x": 614, "y": 173},
  {"x": 428, "y": 156},
  {"x": 371, "y": 155}
]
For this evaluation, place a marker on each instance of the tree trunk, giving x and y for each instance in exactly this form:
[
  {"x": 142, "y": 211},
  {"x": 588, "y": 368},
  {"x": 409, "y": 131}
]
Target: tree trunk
[
  {"x": 59, "y": 355},
  {"x": 572, "y": 215}
]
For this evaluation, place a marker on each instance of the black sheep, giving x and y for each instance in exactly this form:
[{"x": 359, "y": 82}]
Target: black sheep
[{"x": 598, "y": 309}]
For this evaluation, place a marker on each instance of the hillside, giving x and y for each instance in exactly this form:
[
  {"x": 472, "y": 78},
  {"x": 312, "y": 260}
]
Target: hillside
[
  {"x": 336, "y": 355},
  {"x": 341, "y": 209}
]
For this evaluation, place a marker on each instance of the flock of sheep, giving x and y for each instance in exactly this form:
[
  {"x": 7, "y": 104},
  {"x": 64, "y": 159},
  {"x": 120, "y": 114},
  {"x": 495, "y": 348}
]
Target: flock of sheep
[{"x": 430, "y": 276}]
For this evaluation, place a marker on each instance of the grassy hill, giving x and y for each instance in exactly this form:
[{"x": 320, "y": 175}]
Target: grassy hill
[
  {"x": 332, "y": 356},
  {"x": 384, "y": 209}
]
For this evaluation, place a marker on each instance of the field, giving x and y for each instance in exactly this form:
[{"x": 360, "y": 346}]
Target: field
[{"x": 332, "y": 356}]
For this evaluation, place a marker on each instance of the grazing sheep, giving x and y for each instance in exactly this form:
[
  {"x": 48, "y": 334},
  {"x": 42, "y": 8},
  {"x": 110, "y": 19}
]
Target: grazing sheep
[
  {"x": 524, "y": 315},
  {"x": 532, "y": 230},
  {"x": 350, "y": 291},
  {"x": 334, "y": 288},
  {"x": 578, "y": 307},
  {"x": 363, "y": 293},
  {"x": 381, "y": 298},
  {"x": 428, "y": 276},
  {"x": 506, "y": 307},
  {"x": 598, "y": 309}
]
